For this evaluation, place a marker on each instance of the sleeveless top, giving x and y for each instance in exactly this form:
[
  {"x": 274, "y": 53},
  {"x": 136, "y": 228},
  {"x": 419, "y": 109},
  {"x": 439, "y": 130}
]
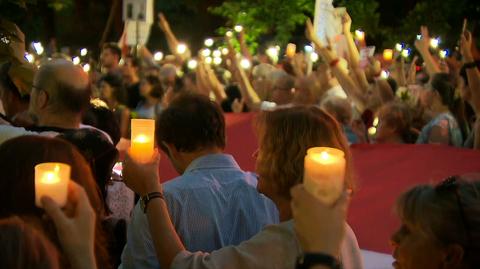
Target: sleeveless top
[{"x": 444, "y": 120}]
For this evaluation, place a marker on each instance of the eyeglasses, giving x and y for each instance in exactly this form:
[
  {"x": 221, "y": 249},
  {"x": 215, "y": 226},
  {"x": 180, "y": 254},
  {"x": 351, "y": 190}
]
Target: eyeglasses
[{"x": 451, "y": 184}]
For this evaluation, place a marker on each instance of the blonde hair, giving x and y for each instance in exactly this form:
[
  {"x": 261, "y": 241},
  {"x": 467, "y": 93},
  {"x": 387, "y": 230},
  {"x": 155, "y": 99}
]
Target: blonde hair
[
  {"x": 285, "y": 135},
  {"x": 448, "y": 213}
]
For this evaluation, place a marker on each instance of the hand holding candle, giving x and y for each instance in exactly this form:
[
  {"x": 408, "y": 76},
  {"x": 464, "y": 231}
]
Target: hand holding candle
[
  {"x": 51, "y": 179},
  {"x": 324, "y": 173},
  {"x": 142, "y": 135}
]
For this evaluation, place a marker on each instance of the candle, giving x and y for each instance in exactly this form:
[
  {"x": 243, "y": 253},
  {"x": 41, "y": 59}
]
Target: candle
[
  {"x": 291, "y": 50},
  {"x": 360, "y": 35},
  {"x": 324, "y": 173},
  {"x": 388, "y": 55},
  {"x": 51, "y": 179},
  {"x": 142, "y": 136}
]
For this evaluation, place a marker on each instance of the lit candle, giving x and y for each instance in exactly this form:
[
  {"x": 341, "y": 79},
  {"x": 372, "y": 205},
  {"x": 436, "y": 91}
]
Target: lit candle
[
  {"x": 291, "y": 50},
  {"x": 51, "y": 179},
  {"x": 360, "y": 35},
  {"x": 388, "y": 55},
  {"x": 142, "y": 136},
  {"x": 324, "y": 173}
]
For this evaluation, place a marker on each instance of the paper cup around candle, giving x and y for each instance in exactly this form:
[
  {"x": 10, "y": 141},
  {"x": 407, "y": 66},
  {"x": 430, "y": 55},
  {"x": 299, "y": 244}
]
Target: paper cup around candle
[
  {"x": 51, "y": 179},
  {"x": 142, "y": 139},
  {"x": 324, "y": 173},
  {"x": 388, "y": 55},
  {"x": 291, "y": 50}
]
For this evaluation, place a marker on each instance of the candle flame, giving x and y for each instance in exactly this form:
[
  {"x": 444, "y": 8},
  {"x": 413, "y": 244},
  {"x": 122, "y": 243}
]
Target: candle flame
[
  {"x": 323, "y": 157},
  {"x": 50, "y": 177},
  {"x": 141, "y": 139}
]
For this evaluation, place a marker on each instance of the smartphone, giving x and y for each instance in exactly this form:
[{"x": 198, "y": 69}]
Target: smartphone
[
  {"x": 117, "y": 172},
  {"x": 366, "y": 53}
]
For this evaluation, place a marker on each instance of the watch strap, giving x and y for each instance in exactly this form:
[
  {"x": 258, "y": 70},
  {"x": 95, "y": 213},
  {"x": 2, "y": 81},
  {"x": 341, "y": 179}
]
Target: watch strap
[
  {"x": 307, "y": 260},
  {"x": 470, "y": 65},
  {"x": 144, "y": 200}
]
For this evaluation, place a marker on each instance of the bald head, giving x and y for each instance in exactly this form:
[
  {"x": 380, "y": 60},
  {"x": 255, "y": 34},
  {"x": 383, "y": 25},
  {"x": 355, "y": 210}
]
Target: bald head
[{"x": 66, "y": 84}]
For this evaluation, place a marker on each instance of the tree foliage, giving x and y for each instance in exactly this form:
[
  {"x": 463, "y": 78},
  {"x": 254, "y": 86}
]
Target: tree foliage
[{"x": 277, "y": 18}]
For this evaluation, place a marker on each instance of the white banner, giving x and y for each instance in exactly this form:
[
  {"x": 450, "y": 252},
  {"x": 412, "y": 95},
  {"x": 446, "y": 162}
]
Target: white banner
[
  {"x": 137, "y": 32},
  {"x": 327, "y": 22},
  {"x": 141, "y": 10}
]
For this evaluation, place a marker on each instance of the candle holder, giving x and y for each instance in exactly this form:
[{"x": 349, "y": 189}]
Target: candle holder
[
  {"x": 324, "y": 173},
  {"x": 51, "y": 179},
  {"x": 143, "y": 138}
]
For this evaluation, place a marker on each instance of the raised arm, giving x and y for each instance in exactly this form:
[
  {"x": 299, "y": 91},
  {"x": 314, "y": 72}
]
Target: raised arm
[
  {"x": 329, "y": 56},
  {"x": 249, "y": 94},
  {"x": 354, "y": 55},
  {"x": 422, "y": 46},
  {"x": 171, "y": 38},
  {"x": 473, "y": 75},
  {"x": 143, "y": 179}
]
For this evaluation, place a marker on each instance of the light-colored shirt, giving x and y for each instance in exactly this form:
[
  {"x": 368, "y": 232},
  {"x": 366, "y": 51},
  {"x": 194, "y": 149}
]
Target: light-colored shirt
[
  {"x": 276, "y": 247},
  {"x": 214, "y": 204}
]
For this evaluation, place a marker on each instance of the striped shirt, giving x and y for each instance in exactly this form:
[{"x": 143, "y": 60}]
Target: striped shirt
[{"x": 212, "y": 205}]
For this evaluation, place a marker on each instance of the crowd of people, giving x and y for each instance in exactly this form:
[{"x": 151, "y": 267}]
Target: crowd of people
[{"x": 216, "y": 215}]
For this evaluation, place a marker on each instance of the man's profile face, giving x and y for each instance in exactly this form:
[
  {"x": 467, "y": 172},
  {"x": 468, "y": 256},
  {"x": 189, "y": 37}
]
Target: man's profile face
[{"x": 107, "y": 58}]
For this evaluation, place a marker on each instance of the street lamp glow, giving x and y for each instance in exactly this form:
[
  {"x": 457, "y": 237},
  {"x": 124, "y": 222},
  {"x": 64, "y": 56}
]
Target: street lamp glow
[
  {"x": 83, "y": 52},
  {"x": 208, "y": 42},
  {"x": 158, "y": 56},
  {"x": 434, "y": 42},
  {"x": 192, "y": 64},
  {"x": 314, "y": 57},
  {"x": 245, "y": 64},
  {"x": 76, "y": 60},
  {"x": 217, "y": 61},
  {"x": 38, "y": 48},
  {"x": 206, "y": 52},
  {"x": 29, "y": 57},
  {"x": 181, "y": 48},
  {"x": 238, "y": 28},
  {"x": 86, "y": 68}
]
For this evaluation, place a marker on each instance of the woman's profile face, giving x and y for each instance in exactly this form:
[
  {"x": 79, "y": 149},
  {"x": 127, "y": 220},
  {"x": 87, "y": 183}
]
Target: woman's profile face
[{"x": 414, "y": 249}]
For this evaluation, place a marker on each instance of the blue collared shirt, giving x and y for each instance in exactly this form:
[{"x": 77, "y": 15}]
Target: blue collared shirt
[{"x": 212, "y": 205}]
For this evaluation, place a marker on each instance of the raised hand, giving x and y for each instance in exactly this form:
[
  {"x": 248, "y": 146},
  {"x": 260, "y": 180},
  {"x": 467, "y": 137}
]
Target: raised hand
[
  {"x": 423, "y": 44},
  {"x": 163, "y": 23},
  {"x": 466, "y": 46},
  {"x": 346, "y": 23},
  {"x": 142, "y": 178},
  {"x": 76, "y": 233},
  {"x": 320, "y": 227}
]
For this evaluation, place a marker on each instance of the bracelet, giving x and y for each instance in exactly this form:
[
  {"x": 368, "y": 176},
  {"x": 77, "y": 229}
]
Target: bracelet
[
  {"x": 307, "y": 260},
  {"x": 470, "y": 65},
  {"x": 144, "y": 200},
  {"x": 334, "y": 62}
]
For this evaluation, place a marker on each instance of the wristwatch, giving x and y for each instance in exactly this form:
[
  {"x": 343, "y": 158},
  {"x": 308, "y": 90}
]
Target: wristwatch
[
  {"x": 308, "y": 260},
  {"x": 144, "y": 200},
  {"x": 470, "y": 65}
]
